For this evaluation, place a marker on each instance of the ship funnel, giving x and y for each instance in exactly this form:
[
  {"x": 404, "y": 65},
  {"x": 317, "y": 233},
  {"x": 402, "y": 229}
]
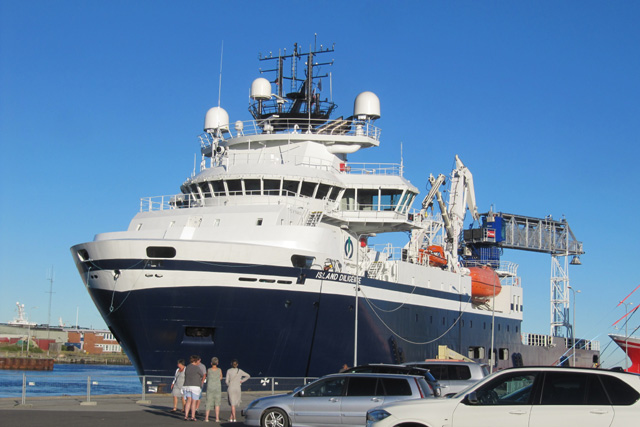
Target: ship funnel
[
  {"x": 367, "y": 106},
  {"x": 216, "y": 119},
  {"x": 260, "y": 89}
]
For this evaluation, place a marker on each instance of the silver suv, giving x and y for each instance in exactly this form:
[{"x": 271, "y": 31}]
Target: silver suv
[
  {"x": 527, "y": 397},
  {"x": 335, "y": 399},
  {"x": 453, "y": 375}
]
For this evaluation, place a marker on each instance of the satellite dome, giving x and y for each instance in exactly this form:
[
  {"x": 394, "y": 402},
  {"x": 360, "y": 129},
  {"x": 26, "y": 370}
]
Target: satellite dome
[
  {"x": 367, "y": 104},
  {"x": 260, "y": 89},
  {"x": 216, "y": 118}
]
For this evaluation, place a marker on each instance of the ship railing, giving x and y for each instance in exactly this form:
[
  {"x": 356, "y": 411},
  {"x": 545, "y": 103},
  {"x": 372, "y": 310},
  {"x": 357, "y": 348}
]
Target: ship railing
[
  {"x": 32, "y": 387},
  {"x": 251, "y": 197},
  {"x": 394, "y": 169},
  {"x": 233, "y": 160},
  {"x": 540, "y": 340},
  {"x": 293, "y": 126}
]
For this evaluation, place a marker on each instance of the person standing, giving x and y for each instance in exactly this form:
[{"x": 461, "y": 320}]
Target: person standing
[
  {"x": 203, "y": 369},
  {"x": 214, "y": 389},
  {"x": 235, "y": 377},
  {"x": 176, "y": 386},
  {"x": 193, "y": 380}
]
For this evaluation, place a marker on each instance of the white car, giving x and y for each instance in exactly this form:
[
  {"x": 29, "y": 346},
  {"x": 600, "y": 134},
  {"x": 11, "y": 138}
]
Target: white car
[{"x": 526, "y": 397}]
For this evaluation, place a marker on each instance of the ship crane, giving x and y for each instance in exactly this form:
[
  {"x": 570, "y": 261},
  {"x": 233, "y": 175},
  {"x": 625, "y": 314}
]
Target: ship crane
[{"x": 461, "y": 196}]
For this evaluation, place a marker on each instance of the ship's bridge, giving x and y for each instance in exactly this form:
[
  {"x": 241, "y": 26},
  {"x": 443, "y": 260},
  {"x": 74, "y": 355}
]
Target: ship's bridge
[{"x": 360, "y": 195}]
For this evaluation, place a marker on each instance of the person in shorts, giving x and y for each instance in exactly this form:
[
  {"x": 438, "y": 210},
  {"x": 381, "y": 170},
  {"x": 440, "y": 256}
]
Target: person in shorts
[{"x": 192, "y": 389}]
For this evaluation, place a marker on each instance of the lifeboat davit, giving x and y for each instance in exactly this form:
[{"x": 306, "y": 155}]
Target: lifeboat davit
[
  {"x": 485, "y": 283},
  {"x": 433, "y": 255}
]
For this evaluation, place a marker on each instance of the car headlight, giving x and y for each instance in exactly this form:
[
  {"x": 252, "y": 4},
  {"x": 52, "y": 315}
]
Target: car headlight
[{"x": 377, "y": 415}]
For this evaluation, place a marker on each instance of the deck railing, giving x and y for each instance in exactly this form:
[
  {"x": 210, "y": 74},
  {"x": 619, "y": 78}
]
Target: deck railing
[{"x": 282, "y": 126}]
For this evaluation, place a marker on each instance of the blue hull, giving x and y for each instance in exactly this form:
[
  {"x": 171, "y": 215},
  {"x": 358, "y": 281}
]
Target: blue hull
[{"x": 283, "y": 332}]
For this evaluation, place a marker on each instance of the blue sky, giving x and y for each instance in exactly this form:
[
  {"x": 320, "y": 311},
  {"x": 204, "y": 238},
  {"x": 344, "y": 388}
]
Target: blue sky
[{"x": 101, "y": 103}]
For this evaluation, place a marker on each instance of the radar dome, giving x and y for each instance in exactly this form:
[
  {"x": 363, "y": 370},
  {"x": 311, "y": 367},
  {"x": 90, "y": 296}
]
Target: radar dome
[
  {"x": 260, "y": 89},
  {"x": 367, "y": 104},
  {"x": 216, "y": 118}
]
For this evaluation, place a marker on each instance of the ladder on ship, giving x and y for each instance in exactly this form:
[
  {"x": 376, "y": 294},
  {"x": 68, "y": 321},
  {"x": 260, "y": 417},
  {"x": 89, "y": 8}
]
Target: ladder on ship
[
  {"x": 374, "y": 269},
  {"x": 314, "y": 218}
]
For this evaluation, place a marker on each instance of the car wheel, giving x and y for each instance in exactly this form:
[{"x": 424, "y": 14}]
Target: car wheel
[{"x": 274, "y": 417}]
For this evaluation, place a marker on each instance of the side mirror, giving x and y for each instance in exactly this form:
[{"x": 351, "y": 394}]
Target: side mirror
[
  {"x": 300, "y": 393},
  {"x": 471, "y": 398}
]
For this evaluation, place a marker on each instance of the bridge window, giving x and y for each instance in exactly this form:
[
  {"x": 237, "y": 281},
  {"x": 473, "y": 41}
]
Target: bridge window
[
  {"x": 206, "y": 190},
  {"x": 218, "y": 188},
  {"x": 290, "y": 188},
  {"x": 252, "y": 186},
  {"x": 323, "y": 191},
  {"x": 271, "y": 187},
  {"x": 235, "y": 187},
  {"x": 308, "y": 188},
  {"x": 348, "y": 201},
  {"x": 389, "y": 199},
  {"x": 367, "y": 199}
]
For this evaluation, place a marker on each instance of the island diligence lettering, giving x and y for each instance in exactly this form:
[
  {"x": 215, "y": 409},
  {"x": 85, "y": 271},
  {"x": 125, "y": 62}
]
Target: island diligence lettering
[{"x": 338, "y": 277}]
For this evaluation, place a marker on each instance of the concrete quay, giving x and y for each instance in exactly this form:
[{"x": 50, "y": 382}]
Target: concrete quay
[{"x": 113, "y": 410}]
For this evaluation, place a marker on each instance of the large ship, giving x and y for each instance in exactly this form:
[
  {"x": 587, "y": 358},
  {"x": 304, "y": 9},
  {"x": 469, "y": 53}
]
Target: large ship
[{"x": 265, "y": 255}]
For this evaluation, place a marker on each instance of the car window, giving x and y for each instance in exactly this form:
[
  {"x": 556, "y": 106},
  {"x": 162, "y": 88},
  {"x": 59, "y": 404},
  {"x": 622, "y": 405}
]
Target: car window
[
  {"x": 619, "y": 391},
  {"x": 426, "y": 389},
  {"x": 514, "y": 389},
  {"x": 459, "y": 372},
  {"x": 325, "y": 387},
  {"x": 438, "y": 371},
  {"x": 595, "y": 392},
  {"x": 362, "y": 386},
  {"x": 396, "y": 387},
  {"x": 359, "y": 370},
  {"x": 564, "y": 388}
]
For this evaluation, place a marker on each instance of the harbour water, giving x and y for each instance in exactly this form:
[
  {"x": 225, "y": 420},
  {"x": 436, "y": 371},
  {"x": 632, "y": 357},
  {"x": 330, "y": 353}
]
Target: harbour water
[{"x": 71, "y": 380}]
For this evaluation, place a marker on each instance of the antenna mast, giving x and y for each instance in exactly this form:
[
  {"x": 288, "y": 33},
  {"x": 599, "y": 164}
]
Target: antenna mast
[{"x": 220, "y": 80}]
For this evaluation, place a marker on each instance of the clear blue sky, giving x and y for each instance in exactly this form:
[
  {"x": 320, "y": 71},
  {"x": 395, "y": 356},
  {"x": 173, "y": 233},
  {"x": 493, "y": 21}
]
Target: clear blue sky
[{"x": 101, "y": 103}]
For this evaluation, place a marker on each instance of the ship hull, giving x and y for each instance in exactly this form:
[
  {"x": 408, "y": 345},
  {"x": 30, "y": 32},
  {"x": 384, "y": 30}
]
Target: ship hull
[
  {"x": 631, "y": 347},
  {"x": 302, "y": 325}
]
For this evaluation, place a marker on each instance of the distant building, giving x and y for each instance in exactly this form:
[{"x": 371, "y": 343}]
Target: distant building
[{"x": 93, "y": 341}]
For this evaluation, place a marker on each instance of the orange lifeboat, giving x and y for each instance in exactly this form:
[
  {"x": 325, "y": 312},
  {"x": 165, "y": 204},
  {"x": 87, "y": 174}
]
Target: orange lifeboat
[
  {"x": 485, "y": 283},
  {"x": 434, "y": 255}
]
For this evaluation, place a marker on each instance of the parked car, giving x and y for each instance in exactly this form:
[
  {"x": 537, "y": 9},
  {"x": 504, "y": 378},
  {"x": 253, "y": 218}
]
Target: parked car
[
  {"x": 385, "y": 368},
  {"x": 334, "y": 399},
  {"x": 453, "y": 375},
  {"x": 526, "y": 397}
]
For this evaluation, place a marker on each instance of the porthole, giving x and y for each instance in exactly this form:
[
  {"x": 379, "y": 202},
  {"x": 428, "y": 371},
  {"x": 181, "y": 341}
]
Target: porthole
[{"x": 161, "y": 252}]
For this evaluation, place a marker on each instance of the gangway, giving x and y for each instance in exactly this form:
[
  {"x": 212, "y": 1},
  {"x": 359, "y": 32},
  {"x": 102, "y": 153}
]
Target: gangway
[{"x": 546, "y": 235}]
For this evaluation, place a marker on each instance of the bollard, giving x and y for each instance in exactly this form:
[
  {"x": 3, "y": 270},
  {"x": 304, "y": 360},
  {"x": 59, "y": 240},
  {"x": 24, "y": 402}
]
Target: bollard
[
  {"x": 88, "y": 402},
  {"x": 273, "y": 386},
  {"x": 24, "y": 388},
  {"x": 144, "y": 400}
]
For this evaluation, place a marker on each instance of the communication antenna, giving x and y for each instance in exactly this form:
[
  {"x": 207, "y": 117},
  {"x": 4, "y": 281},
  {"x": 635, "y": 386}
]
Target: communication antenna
[
  {"x": 220, "y": 80},
  {"x": 330, "y": 87},
  {"x": 401, "y": 160}
]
